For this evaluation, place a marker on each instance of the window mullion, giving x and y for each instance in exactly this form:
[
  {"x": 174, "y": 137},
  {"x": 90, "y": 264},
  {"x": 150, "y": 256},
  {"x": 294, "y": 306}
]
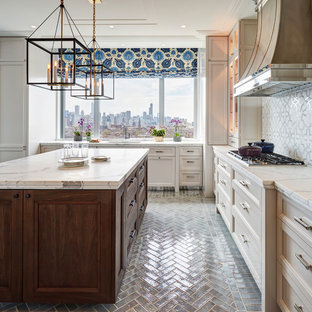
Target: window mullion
[{"x": 161, "y": 101}]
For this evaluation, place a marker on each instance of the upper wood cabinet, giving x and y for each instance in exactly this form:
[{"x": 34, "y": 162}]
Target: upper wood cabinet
[
  {"x": 217, "y": 90},
  {"x": 244, "y": 114}
]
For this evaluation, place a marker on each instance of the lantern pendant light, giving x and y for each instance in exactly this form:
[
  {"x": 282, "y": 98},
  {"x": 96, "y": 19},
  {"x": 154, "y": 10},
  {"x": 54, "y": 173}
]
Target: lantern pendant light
[
  {"x": 97, "y": 78},
  {"x": 51, "y": 61}
]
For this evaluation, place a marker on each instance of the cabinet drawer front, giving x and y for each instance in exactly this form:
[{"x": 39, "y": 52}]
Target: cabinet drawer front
[
  {"x": 249, "y": 210},
  {"x": 131, "y": 210},
  {"x": 141, "y": 192},
  {"x": 298, "y": 217},
  {"x": 224, "y": 182},
  {"x": 141, "y": 212},
  {"x": 248, "y": 186},
  {"x": 131, "y": 186},
  {"x": 224, "y": 166},
  {"x": 248, "y": 243},
  {"x": 162, "y": 151},
  {"x": 288, "y": 296},
  {"x": 297, "y": 253},
  {"x": 131, "y": 234},
  {"x": 190, "y": 164},
  {"x": 224, "y": 206},
  {"x": 161, "y": 171},
  {"x": 141, "y": 171},
  {"x": 191, "y": 151},
  {"x": 191, "y": 179}
]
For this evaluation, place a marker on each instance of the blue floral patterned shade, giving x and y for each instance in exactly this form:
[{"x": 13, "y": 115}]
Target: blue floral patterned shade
[{"x": 147, "y": 62}]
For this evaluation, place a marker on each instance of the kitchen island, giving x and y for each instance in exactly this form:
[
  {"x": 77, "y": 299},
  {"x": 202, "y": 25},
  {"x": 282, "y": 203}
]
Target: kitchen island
[{"x": 66, "y": 233}]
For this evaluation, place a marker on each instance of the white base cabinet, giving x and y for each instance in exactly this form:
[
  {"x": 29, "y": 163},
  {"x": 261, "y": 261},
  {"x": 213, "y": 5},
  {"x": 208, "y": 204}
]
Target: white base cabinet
[{"x": 161, "y": 171}]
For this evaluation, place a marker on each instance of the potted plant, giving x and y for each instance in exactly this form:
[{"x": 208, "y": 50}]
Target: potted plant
[
  {"x": 88, "y": 132},
  {"x": 177, "y": 123},
  {"x": 158, "y": 134},
  {"x": 78, "y": 130}
]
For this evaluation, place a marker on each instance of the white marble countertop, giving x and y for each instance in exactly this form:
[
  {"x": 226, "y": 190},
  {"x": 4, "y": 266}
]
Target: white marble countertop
[
  {"x": 293, "y": 181},
  {"x": 43, "y": 171},
  {"x": 131, "y": 142}
]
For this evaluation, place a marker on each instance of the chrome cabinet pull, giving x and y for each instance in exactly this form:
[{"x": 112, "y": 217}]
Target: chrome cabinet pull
[
  {"x": 303, "y": 222},
  {"x": 244, "y": 238},
  {"x": 245, "y": 206},
  {"x": 298, "y": 308},
  {"x": 222, "y": 205},
  {"x": 132, "y": 203},
  {"x": 142, "y": 167},
  {"x": 304, "y": 262},
  {"x": 223, "y": 182},
  {"x": 142, "y": 208},
  {"x": 142, "y": 184},
  {"x": 244, "y": 183},
  {"x": 223, "y": 166},
  {"x": 132, "y": 180}
]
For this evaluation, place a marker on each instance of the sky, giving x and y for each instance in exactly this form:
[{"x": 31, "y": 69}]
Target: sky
[{"x": 137, "y": 94}]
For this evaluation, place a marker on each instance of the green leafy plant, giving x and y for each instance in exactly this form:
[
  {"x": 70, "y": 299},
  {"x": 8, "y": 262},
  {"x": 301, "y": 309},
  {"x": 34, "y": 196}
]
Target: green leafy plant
[{"x": 159, "y": 133}]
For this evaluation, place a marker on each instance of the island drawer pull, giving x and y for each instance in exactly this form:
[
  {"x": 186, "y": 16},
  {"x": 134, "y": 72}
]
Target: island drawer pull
[
  {"x": 142, "y": 167},
  {"x": 132, "y": 203},
  {"x": 16, "y": 196},
  {"x": 244, "y": 183},
  {"x": 142, "y": 208},
  {"x": 298, "y": 308},
  {"x": 303, "y": 222},
  {"x": 132, "y": 234},
  {"x": 244, "y": 239},
  {"x": 132, "y": 180},
  {"x": 245, "y": 206},
  {"x": 27, "y": 196},
  {"x": 304, "y": 262},
  {"x": 142, "y": 184},
  {"x": 222, "y": 182}
]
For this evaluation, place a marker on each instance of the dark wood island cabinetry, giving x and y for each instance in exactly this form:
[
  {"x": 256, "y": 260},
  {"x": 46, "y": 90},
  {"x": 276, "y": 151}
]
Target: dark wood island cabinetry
[{"x": 69, "y": 245}]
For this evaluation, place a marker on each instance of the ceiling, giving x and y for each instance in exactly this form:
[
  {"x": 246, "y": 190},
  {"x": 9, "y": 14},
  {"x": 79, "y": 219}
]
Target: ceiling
[{"x": 135, "y": 23}]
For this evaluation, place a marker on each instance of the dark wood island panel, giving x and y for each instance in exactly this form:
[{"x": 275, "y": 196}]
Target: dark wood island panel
[{"x": 75, "y": 244}]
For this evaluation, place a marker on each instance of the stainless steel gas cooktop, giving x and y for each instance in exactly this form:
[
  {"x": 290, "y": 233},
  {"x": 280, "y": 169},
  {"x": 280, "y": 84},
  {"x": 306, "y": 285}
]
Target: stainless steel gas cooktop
[{"x": 267, "y": 159}]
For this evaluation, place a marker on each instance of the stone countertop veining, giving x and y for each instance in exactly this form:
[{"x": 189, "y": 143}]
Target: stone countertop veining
[
  {"x": 294, "y": 181},
  {"x": 131, "y": 142},
  {"x": 43, "y": 171}
]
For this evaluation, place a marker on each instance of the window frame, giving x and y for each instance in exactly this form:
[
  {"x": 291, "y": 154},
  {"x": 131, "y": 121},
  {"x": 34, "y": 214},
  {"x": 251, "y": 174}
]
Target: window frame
[{"x": 161, "y": 106}]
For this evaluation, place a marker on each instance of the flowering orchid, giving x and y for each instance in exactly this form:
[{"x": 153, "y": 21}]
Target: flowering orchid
[
  {"x": 88, "y": 130},
  {"x": 79, "y": 128},
  {"x": 176, "y": 121}
]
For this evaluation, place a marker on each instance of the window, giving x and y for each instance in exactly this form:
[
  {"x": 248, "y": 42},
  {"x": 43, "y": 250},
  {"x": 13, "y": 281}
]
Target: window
[{"x": 139, "y": 104}]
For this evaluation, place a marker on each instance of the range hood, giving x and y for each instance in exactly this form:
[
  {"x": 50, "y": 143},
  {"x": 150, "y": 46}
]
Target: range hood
[{"x": 282, "y": 57}]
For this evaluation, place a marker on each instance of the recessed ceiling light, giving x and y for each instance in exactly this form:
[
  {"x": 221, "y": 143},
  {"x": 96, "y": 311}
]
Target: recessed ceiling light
[
  {"x": 163, "y": 44},
  {"x": 123, "y": 45},
  {"x": 111, "y": 26},
  {"x": 183, "y": 26},
  {"x": 33, "y": 26}
]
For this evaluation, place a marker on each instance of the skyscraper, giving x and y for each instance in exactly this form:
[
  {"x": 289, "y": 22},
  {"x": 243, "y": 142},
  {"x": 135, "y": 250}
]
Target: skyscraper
[{"x": 150, "y": 110}]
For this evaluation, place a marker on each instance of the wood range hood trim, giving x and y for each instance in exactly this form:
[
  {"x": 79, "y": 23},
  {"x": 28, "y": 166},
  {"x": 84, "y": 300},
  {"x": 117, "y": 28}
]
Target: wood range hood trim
[{"x": 282, "y": 57}]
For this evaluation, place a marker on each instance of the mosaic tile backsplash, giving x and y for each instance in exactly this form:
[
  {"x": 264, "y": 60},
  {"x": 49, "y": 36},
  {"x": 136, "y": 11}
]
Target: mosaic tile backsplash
[{"x": 287, "y": 122}]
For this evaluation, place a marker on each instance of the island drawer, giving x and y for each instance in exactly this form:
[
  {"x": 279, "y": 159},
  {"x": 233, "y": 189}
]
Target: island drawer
[
  {"x": 141, "y": 192},
  {"x": 296, "y": 253},
  {"x": 290, "y": 296},
  {"x": 131, "y": 210},
  {"x": 131, "y": 185},
  {"x": 141, "y": 171},
  {"x": 191, "y": 151},
  {"x": 249, "y": 186},
  {"x": 162, "y": 151},
  {"x": 248, "y": 209},
  {"x": 141, "y": 212},
  {"x": 131, "y": 233},
  {"x": 297, "y": 216}
]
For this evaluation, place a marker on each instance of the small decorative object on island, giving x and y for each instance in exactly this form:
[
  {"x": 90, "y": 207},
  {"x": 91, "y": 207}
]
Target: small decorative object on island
[
  {"x": 78, "y": 130},
  {"x": 177, "y": 123},
  {"x": 157, "y": 134},
  {"x": 88, "y": 132}
]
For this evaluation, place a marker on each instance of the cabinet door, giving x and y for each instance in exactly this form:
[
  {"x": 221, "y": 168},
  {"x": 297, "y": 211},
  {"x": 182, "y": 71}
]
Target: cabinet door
[
  {"x": 161, "y": 171},
  {"x": 10, "y": 246},
  {"x": 68, "y": 246}
]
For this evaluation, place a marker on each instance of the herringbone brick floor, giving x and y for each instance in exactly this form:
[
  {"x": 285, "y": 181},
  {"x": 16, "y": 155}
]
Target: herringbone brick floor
[{"x": 184, "y": 260}]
